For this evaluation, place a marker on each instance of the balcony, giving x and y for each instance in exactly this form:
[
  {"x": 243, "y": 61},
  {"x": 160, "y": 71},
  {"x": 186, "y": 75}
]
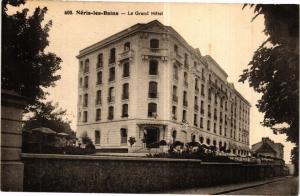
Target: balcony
[
  {"x": 125, "y": 96},
  {"x": 111, "y": 99},
  {"x": 196, "y": 90},
  {"x": 202, "y": 111},
  {"x": 110, "y": 117},
  {"x": 209, "y": 114},
  {"x": 215, "y": 117},
  {"x": 155, "y": 52},
  {"x": 186, "y": 83},
  {"x": 176, "y": 57},
  {"x": 111, "y": 79},
  {"x": 186, "y": 65},
  {"x": 196, "y": 107},
  {"x": 125, "y": 115},
  {"x": 152, "y": 95},
  {"x": 128, "y": 54},
  {"x": 112, "y": 61},
  {"x": 98, "y": 102},
  {"x": 174, "y": 117},
  {"x": 175, "y": 77},
  {"x": 175, "y": 98},
  {"x": 99, "y": 65},
  {"x": 185, "y": 103}
]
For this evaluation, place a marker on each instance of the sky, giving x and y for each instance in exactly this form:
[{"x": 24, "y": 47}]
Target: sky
[{"x": 224, "y": 31}]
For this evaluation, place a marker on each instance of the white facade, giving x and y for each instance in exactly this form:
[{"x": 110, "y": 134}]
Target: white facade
[{"x": 163, "y": 48}]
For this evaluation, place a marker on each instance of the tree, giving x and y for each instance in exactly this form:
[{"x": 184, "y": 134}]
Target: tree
[
  {"x": 26, "y": 67},
  {"x": 48, "y": 115},
  {"x": 274, "y": 68}
]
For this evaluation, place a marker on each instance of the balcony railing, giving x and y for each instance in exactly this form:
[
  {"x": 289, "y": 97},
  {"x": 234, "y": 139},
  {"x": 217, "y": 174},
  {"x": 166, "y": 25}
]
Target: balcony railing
[
  {"x": 186, "y": 83},
  {"x": 110, "y": 117},
  {"x": 152, "y": 95},
  {"x": 175, "y": 98},
  {"x": 111, "y": 79},
  {"x": 196, "y": 89},
  {"x": 202, "y": 111},
  {"x": 99, "y": 64},
  {"x": 98, "y": 102},
  {"x": 125, "y": 96},
  {"x": 215, "y": 117},
  {"x": 185, "y": 103},
  {"x": 128, "y": 54},
  {"x": 112, "y": 60},
  {"x": 196, "y": 107},
  {"x": 175, "y": 77},
  {"x": 209, "y": 114},
  {"x": 110, "y": 99}
]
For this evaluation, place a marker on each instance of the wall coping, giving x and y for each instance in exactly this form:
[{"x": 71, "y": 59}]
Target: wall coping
[{"x": 115, "y": 158}]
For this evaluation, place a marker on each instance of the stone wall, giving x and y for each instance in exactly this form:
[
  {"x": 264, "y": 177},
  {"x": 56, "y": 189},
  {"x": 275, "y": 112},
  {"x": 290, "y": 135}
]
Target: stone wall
[{"x": 76, "y": 173}]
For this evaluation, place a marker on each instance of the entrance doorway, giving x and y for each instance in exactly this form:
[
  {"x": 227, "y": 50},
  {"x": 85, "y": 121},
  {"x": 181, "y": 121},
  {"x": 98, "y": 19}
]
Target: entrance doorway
[{"x": 151, "y": 135}]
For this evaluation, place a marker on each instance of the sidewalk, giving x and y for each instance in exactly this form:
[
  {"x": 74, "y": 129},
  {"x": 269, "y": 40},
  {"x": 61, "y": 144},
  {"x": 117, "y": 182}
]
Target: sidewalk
[{"x": 222, "y": 189}]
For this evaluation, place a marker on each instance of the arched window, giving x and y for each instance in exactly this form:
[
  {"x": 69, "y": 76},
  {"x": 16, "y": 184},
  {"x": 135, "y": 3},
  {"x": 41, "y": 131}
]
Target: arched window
[
  {"x": 125, "y": 94},
  {"x": 123, "y": 133},
  {"x": 126, "y": 69},
  {"x": 125, "y": 110},
  {"x": 154, "y": 43},
  {"x": 201, "y": 139},
  {"x": 97, "y": 137},
  {"x": 110, "y": 113},
  {"x": 152, "y": 90},
  {"x": 152, "y": 109},
  {"x": 112, "y": 56},
  {"x": 111, "y": 94},
  {"x": 153, "y": 67},
  {"x": 127, "y": 46},
  {"x": 99, "y": 60},
  {"x": 99, "y": 77},
  {"x": 207, "y": 141}
]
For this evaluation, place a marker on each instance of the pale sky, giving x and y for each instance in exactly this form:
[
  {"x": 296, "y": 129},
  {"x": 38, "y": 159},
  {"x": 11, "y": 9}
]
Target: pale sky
[{"x": 223, "y": 31}]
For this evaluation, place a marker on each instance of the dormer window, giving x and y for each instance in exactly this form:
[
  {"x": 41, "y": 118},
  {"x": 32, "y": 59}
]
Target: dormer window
[{"x": 154, "y": 43}]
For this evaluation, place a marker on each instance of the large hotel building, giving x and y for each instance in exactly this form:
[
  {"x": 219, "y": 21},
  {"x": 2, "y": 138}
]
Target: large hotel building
[{"x": 147, "y": 82}]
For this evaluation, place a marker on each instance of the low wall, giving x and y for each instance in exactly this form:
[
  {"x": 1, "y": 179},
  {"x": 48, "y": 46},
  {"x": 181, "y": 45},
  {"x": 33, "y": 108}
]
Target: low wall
[{"x": 77, "y": 173}]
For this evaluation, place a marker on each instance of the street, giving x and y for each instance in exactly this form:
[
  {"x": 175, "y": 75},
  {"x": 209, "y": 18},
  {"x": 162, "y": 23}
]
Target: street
[
  {"x": 276, "y": 186},
  {"x": 288, "y": 186}
]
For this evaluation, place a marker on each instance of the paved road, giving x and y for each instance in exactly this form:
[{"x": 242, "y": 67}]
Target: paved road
[{"x": 288, "y": 186}]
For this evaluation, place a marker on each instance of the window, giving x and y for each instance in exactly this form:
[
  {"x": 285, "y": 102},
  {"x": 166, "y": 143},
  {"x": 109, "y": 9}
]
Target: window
[
  {"x": 97, "y": 137},
  {"x": 111, "y": 74},
  {"x": 196, "y": 84},
  {"x": 193, "y": 137},
  {"x": 85, "y": 100},
  {"x": 81, "y": 66},
  {"x": 209, "y": 77},
  {"x": 208, "y": 111},
  {"x": 201, "y": 122},
  {"x": 174, "y": 134},
  {"x": 208, "y": 141},
  {"x": 123, "y": 133},
  {"x": 175, "y": 49},
  {"x": 152, "y": 107},
  {"x": 152, "y": 90},
  {"x": 99, "y": 60},
  {"x": 215, "y": 128},
  {"x": 80, "y": 99},
  {"x": 185, "y": 77},
  {"x": 125, "y": 110},
  {"x": 86, "y": 66},
  {"x": 195, "y": 120},
  {"x": 80, "y": 82},
  {"x": 202, "y": 74},
  {"x": 85, "y": 116},
  {"x": 110, "y": 113},
  {"x": 111, "y": 94},
  {"x": 99, "y": 77},
  {"x": 201, "y": 139},
  {"x": 175, "y": 72},
  {"x": 153, "y": 67},
  {"x": 86, "y": 82},
  {"x": 185, "y": 103},
  {"x": 215, "y": 114},
  {"x": 186, "y": 59},
  {"x": 184, "y": 116},
  {"x": 216, "y": 98},
  {"x": 202, "y": 107},
  {"x": 126, "y": 69},
  {"x": 174, "y": 113},
  {"x": 209, "y": 94},
  {"x": 202, "y": 89},
  {"x": 208, "y": 125},
  {"x": 154, "y": 43},
  {"x": 79, "y": 116},
  {"x": 127, "y": 46},
  {"x": 125, "y": 94},
  {"x": 214, "y": 143},
  {"x": 98, "y": 114},
  {"x": 175, "y": 98},
  {"x": 98, "y": 97},
  {"x": 112, "y": 56},
  {"x": 196, "y": 103},
  {"x": 220, "y": 130}
]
